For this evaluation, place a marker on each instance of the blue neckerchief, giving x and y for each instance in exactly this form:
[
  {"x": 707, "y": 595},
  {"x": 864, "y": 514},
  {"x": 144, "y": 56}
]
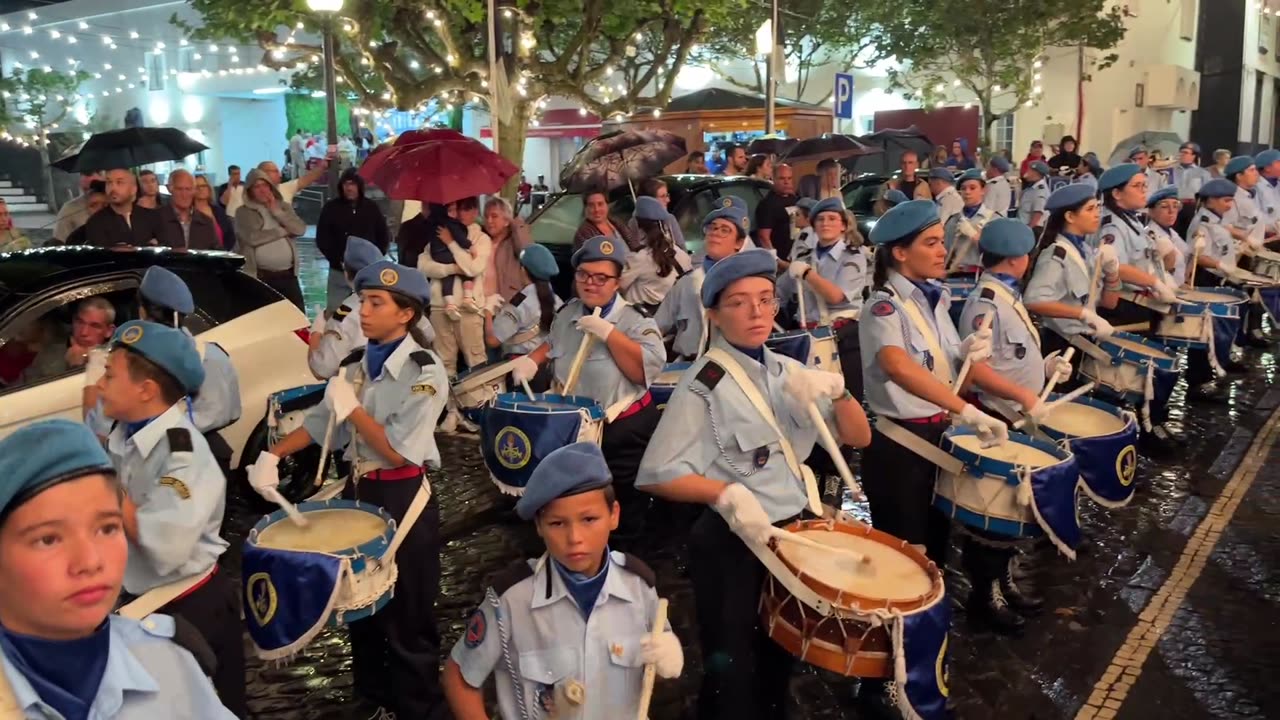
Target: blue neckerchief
[
  {"x": 64, "y": 673},
  {"x": 1077, "y": 240},
  {"x": 582, "y": 589},
  {"x": 1274, "y": 181},
  {"x": 708, "y": 262},
  {"x": 1253, "y": 192},
  {"x": 377, "y": 354},
  {"x": 131, "y": 429},
  {"x": 932, "y": 292},
  {"x": 604, "y": 310},
  {"x": 823, "y": 250},
  {"x": 1010, "y": 281},
  {"x": 756, "y": 354},
  {"x": 972, "y": 211}
]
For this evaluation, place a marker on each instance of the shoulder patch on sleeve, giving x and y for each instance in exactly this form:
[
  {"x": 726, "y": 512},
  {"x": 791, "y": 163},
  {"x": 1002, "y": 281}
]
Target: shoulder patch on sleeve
[
  {"x": 187, "y": 637},
  {"x": 710, "y": 375},
  {"x": 1059, "y": 252},
  {"x": 342, "y": 312},
  {"x": 356, "y": 356},
  {"x": 477, "y": 628},
  {"x": 1108, "y": 239},
  {"x": 179, "y": 439},
  {"x": 516, "y": 299},
  {"x": 178, "y": 486},
  {"x": 884, "y": 308},
  {"x": 508, "y": 577},
  {"x": 423, "y": 358},
  {"x": 640, "y": 568},
  {"x": 651, "y": 331}
]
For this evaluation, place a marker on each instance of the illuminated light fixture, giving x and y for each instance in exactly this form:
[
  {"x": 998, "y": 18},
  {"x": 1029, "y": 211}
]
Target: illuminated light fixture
[
  {"x": 182, "y": 42},
  {"x": 55, "y": 34},
  {"x": 26, "y": 30},
  {"x": 106, "y": 39},
  {"x": 34, "y": 54},
  {"x": 83, "y": 25},
  {"x": 71, "y": 40},
  {"x": 133, "y": 34},
  {"x": 106, "y": 66},
  {"x": 414, "y": 64},
  {"x": 272, "y": 91},
  {"x": 197, "y": 56},
  {"x": 4, "y": 27},
  {"x": 213, "y": 48},
  {"x": 32, "y": 16},
  {"x": 657, "y": 113}
]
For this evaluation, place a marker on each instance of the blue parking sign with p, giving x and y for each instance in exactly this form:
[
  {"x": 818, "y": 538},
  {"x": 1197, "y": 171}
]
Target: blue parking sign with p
[{"x": 844, "y": 96}]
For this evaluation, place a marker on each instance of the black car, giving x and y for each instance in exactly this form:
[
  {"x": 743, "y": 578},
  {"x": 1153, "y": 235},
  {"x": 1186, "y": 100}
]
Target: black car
[{"x": 860, "y": 195}]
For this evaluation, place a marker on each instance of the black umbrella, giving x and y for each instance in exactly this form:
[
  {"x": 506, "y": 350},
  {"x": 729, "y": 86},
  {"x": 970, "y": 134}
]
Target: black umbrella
[
  {"x": 771, "y": 145},
  {"x": 828, "y": 145},
  {"x": 67, "y": 160},
  {"x": 614, "y": 159},
  {"x": 894, "y": 142},
  {"x": 130, "y": 148}
]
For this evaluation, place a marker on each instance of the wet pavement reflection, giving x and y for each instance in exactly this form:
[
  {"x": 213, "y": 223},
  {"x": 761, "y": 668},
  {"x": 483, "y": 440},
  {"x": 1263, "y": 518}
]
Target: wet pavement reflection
[{"x": 1215, "y": 659}]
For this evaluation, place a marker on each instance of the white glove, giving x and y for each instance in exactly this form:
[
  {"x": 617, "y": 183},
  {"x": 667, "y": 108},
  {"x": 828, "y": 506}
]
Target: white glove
[
  {"x": 1200, "y": 243},
  {"x": 1164, "y": 245},
  {"x": 95, "y": 366},
  {"x": 1110, "y": 261},
  {"x": 340, "y": 397},
  {"x": 1254, "y": 242},
  {"x": 805, "y": 387},
  {"x": 797, "y": 269},
  {"x": 1098, "y": 326},
  {"x": 741, "y": 510},
  {"x": 665, "y": 654},
  {"x": 494, "y": 303},
  {"x": 264, "y": 473},
  {"x": 967, "y": 228},
  {"x": 595, "y": 325},
  {"x": 1164, "y": 292},
  {"x": 1055, "y": 363},
  {"x": 523, "y": 369},
  {"x": 317, "y": 325},
  {"x": 977, "y": 347},
  {"x": 991, "y": 430},
  {"x": 1037, "y": 412}
]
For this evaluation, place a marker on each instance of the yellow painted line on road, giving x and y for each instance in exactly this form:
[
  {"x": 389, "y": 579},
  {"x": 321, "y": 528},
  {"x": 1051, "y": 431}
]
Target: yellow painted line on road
[{"x": 1122, "y": 674}]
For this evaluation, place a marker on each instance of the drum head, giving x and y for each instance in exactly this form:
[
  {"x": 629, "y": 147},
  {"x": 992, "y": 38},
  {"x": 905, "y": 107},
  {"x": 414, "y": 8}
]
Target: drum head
[
  {"x": 1080, "y": 420},
  {"x": 1137, "y": 347},
  {"x": 1012, "y": 452},
  {"x": 327, "y": 531}
]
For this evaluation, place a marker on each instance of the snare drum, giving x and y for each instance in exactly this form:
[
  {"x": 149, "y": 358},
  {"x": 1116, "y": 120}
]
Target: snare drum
[
  {"x": 1022, "y": 489},
  {"x": 961, "y": 288},
  {"x": 299, "y": 580},
  {"x": 286, "y": 409},
  {"x": 666, "y": 382},
  {"x": 1103, "y": 439},
  {"x": 477, "y": 387},
  {"x": 816, "y": 348},
  {"x": 516, "y": 433},
  {"x": 1130, "y": 360},
  {"x": 854, "y": 639},
  {"x": 1267, "y": 264},
  {"x": 1190, "y": 324}
]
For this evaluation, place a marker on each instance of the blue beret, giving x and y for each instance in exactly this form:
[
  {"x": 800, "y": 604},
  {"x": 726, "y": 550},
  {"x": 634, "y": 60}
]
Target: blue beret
[
  {"x": 905, "y": 221},
  {"x": 42, "y": 454},
  {"x": 831, "y": 204},
  {"x": 1266, "y": 157},
  {"x": 1218, "y": 188},
  {"x": 806, "y": 204},
  {"x": 971, "y": 174},
  {"x": 1000, "y": 163},
  {"x": 1164, "y": 193},
  {"x": 161, "y": 287},
  {"x": 748, "y": 263},
  {"x": 570, "y": 470},
  {"x": 392, "y": 277},
  {"x": 1135, "y": 151},
  {"x": 1007, "y": 238},
  {"x": 600, "y": 248},
  {"x": 1117, "y": 176},
  {"x": 539, "y": 262},
  {"x": 1091, "y": 159},
  {"x": 169, "y": 348},
  {"x": 1042, "y": 167},
  {"x": 648, "y": 208},
  {"x": 733, "y": 201},
  {"x": 732, "y": 214},
  {"x": 942, "y": 173},
  {"x": 1193, "y": 147},
  {"x": 895, "y": 197},
  {"x": 1069, "y": 196},
  {"x": 359, "y": 254},
  {"x": 1237, "y": 165}
]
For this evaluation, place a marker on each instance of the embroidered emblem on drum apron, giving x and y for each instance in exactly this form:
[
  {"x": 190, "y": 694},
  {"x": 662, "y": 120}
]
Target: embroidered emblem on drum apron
[
  {"x": 262, "y": 598},
  {"x": 512, "y": 448},
  {"x": 1127, "y": 465},
  {"x": 476, "y": 629}
]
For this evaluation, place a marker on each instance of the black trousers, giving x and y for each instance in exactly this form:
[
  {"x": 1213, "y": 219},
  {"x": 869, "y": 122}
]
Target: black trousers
[
  {"x": 850, "y": 351},
  {"x": 396, "y": 653},
  {"x": 214, "y": 610},
  {"x": 625, "y": 440},
  {"x": 284, "y": 282},
  {"x": 1128, "y": 313},
  {"x": 899, "y": 488},
  {"x": 745, "y": 674}
]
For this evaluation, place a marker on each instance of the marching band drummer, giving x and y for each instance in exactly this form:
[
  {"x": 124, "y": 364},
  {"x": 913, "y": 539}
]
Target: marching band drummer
[
  {"x": 619, "y": 368},
  {"x": 1268, "y": 164},
  {"x": 1035, "y": 193},
  {"x": 1139, "y": 156},
  {"x": 962, "y": 229},
  {"x": 734, "y": 449},
  {"x": 1188, "y": 176},
  {"x": 724, "y": 231},
  {"x": 567, "y": 635},
  {"x": 63, "y": 553},
  {"x": 521, "y": 325},
  {"x": 999, "y": 194},
  {"x": 176, "y": 493},
  {"x": 654, "y": 268},
  {"x": 1247, "y": 225},
  {"x": 388, "y": 432},
  {"x": 1216, "y": 250},
  {"x": 834, "y": 275},
  {"x": 942, "y": 183}
]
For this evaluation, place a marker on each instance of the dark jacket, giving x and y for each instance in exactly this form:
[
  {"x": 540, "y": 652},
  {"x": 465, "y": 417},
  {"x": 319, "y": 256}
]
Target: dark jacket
[
  {"x": 227, "y": 224},
  {"x": 342, "y": 218},
  {"x": 107, "y": 228},
  {"x": 1069, "y": 160},
  {"x": 201, "y": 235},
  {"x": 416, "y": 234}
]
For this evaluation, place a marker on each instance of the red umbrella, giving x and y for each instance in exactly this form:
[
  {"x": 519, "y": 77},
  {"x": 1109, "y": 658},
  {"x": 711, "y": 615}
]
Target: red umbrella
[
  {"x": 378, "y": 156},
  {"x": 437, "y": 166}
]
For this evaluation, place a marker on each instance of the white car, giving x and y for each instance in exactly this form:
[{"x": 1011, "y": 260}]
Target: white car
[{"x": 265, "y": 335}]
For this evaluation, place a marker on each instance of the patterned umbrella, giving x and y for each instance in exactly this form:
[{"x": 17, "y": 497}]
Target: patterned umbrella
[
  {"x": 828, "y": 145},
  {"x": 1166, "y": 143},
  {"x": 611, "y": 160},
  {"x": 436, "y": 166},
  {"x": 130, "y": 148}
]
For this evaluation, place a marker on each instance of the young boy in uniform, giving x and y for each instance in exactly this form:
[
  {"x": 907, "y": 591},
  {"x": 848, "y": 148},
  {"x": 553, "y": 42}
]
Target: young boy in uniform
[{"x": 566, "y": 635}]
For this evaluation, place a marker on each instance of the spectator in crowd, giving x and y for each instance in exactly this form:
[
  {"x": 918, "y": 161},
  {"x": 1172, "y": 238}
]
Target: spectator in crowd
[
  {"x": 91, "y": 326},
  {"x": 825, "y": 184},
  {"x": 939, "y": 157},
  {"x": 524, "y": 194},
  {"x": 1067, "y": 156},
  {"x": 266, "y": 232},
  {"x": 122, "y": 222},
  {"x": 1036, "y": 154},
  {"x": 908, "y": 180},
  {"x": 351, "y": 213},
  {"x": 596, "y": 220},
  {"x": 95, "y": 201},
  {"x": 231, "y": 192},
  {"x": 1221, "y": 157},
  {"x": 148, "y": 190},
  {"x": 649, "y": 273},
  {"x": 288, "y": 190},
  {"x": 960, "y": 158},
  {"x": 508, "y": 235},
  {"x": 735, "y": 161},
  {"x": 657, "y": 189},
  {"x": 74, "y": 213},
  {"x": 11, "y": 238},
  {"x": 183, "y": 226},
  {"x": 773, "y": 220},
  {"x": 760, "y": 167},
  {"x": 223, "y": 225},
  {"x": 696, "y": 163},
  {"x": 297, "y": 155},
  {"x": 541, "y": 185}
]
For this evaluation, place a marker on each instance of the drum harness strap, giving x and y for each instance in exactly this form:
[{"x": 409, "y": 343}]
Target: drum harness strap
[
  {"x": 9, "y": 709},
  {"x": 1001, "y": 291},
  {"x": 517, "y": 686}
]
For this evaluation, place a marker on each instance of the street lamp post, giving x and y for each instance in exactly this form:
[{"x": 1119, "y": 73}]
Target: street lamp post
[
  {"x": 327, "y": 9},
  {"x": 767, "y": 45}
]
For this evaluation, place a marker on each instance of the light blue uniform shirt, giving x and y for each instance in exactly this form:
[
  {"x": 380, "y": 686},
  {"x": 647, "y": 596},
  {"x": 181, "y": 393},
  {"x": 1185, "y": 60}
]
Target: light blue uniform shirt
[
  {"x": 1268, "y": 201},
  {"x": 1033, "y": 201},
  {"x": 999, "y": 197},
  {"x": 537, "y": 635},
  {"x": 681, "y": 312},
  {"x": 843, "y": 266},
  {"x": 1155, "y": 180},
  {"x": 147, "y": 677},
  {"x": 600, "y": 379},
  {"x": 1086, "y": 179},
  {"x": 406, "y": 400},
  {"x": 949, "y": 203},
  {"x": 1189, "y": 179},
  {"x": 1179, "y": 271},
  {"x": 969, "y": 254},
  {"x": 1247, "y": 215},
  {"x": 883, "y": 323},
  {"x": 1062, "y": 275},
  {"x": 717, "y": 433},
  {"x": 521, "y": 317},
  {"x": 342, "y": 336},
  {"x": 1015, "y": 345},
  {"x": 181, "y": 496},
  {"x": 1219, "y": 244},
  {"x": 1133, "y": 247}
]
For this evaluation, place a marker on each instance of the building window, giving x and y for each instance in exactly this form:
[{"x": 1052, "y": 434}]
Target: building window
[
  {"x": 1187, "y": 20},
  {"x": 186, "y": 59},
  {"x": 157, "y": 71},
  {"x": 1002, "y": 134}
]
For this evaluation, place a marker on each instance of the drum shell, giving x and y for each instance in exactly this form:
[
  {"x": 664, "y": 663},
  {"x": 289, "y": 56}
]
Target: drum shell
[
  {"x": 816, "y": 348},
  {"x": 1125, "y": 373},
  {"x": 1267, "y": 264},
  {"x": 516, "y": 433},
  {"x": 1189, "y": 324},
  {"x": 474, "y": 389},
  {"x": 1107, "y": 460},
  {"x": 666, "y": 382}
]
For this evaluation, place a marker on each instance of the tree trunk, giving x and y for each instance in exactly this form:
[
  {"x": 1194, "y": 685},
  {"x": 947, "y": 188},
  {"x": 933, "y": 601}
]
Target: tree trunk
[
  {"x": 511, "y": 137},
  {"x": 46, "y": 179},
  {"x": 989, "y": 119}
]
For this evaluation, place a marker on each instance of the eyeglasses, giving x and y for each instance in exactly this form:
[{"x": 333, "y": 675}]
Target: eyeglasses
[
  {"x": 588, "y": 278},
  {"x": 718, "y": 229},
  {"x": 766, "y": 305}
]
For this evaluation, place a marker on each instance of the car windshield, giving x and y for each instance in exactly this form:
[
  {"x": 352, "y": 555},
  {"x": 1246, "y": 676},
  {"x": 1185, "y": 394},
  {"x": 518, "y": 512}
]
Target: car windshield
[{"x": 558, "y": 222}]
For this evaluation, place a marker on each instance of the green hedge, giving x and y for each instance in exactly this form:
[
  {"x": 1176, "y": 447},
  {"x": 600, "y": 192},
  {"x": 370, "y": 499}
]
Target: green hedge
[{"x": 308, "y": 114}]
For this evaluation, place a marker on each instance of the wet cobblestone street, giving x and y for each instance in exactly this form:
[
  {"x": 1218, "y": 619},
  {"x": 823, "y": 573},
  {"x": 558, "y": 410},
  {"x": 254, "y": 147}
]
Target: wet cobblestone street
[{"x": 1215, "y": 658}]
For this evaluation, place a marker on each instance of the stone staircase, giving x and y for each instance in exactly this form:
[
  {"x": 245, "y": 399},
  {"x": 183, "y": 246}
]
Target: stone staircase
[{"x": 20, "y": 199}]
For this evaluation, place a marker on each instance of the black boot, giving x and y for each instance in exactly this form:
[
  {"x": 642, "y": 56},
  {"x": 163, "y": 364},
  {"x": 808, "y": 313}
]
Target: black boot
[
  {"x": 1255, "y": 339},
  {"x": 1018, "y": 592},
  {"x": 1157, "y": 442},
  {"x": 988, "y": 609}
]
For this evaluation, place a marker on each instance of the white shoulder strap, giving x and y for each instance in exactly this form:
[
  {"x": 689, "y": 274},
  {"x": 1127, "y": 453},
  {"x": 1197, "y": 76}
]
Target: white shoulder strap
[
  {"x": 201, "y": 347},
  {"x": 1074, "y": 254},
  {"x": 9, "y": 709},
  {"x": 749, "y": 389},
  {"x": 941, "y": 364},
  {"x": 1002, "y": 292}
]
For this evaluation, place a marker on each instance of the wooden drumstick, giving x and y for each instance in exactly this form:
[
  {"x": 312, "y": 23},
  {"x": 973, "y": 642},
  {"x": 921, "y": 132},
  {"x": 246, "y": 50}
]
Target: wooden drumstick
[
  {"x": 968, "y": 364},
  {"x": 797, "y": 539},
  {"x": 1195, "y": 259},
  {"x": 289, "y": 508},
  {"x": 651, "y": 670},
  {"x": 576, "y": 369},
  {"x": 527, "y": 390},
  {"x": 1060, "y": 401},
  {"x": 833, "y": 449},
  {"x": 1056, "y": 377},
  {"x": 1094, "y": 291},
  {"x": 804, "y": 319}
]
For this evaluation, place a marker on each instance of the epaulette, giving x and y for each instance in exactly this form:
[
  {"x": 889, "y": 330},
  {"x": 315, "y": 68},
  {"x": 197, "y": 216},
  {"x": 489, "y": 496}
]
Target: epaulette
[
  {"x": 342, "y": 312},
  {"x": 179, "y": 439},
  {"x": 987, "y": 294},
  {"x": 356, "y": 356},
  {"x": 517, "y": 299},
  {"x": 641, "y": 569},
  {"x": 187, "y": 637},
  {"x": 1204, "y": 218},
  {"x": 1108, "y": 219},
  {"x": 1060, "y": 252},
  {"x": 710, "y": 374},
  {"x": 423, "y": 358},
  {"x": 510, "y": 576},
  {"x": 564, "y": 307}
]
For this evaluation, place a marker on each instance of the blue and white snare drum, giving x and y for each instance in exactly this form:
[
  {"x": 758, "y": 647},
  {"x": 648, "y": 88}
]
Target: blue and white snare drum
[
  {"x": 1022, "y": 489},
  {"x": 475, "y": 388},
  {"x": 815, "y": 348},
  {"x": 662, "y": 388},
  {"x": 1126, "y": 371},
  {"x": 1267, "y": 264},
  {"x": 1104, "y": 440},
  {"x": 299, "y": 580},
  {"x": 961, "y": 288},
  {"x": 517, "y": 433},
  {"x": 286, "y": 409},
  {"x": 1190, "y": 324}
]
